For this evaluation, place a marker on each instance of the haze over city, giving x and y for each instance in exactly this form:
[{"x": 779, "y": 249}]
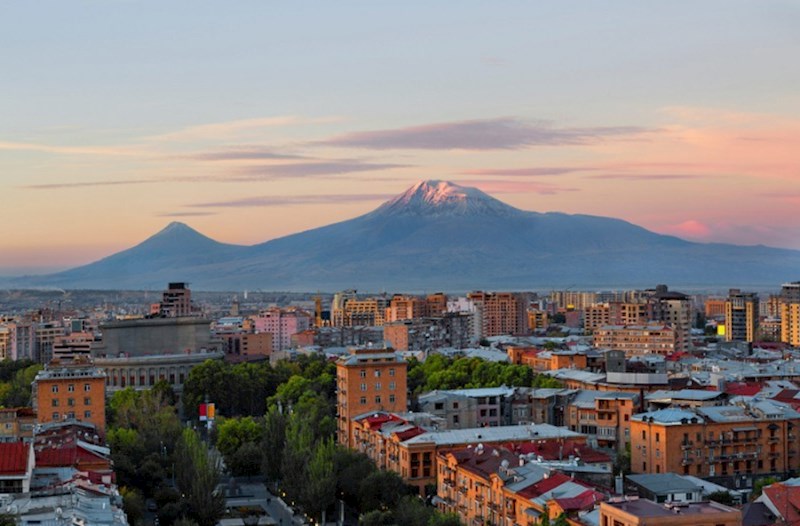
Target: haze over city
[{"x": 250, "y": 121}]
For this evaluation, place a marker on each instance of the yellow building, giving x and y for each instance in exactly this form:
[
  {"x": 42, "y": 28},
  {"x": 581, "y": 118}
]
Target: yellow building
[{"x": 741, "y": 316}]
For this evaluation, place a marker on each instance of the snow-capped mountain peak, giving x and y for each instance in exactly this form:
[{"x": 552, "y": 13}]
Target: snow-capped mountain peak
[{"x": 440, "y": 198}]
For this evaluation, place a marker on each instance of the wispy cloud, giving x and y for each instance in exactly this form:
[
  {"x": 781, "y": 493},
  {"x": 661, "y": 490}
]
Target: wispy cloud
[
  {"x": 88, "y": 184},
  {"x": 526, "y": 172},
  {"x": 282, "y": 200},
  {"x": 71, "y": 150},
  {"x": 186, "y": 214},
  {"x": 280, "y": 171},
  {"x": 218, "y": 130},
  {"x": 488, "y": 134},
  {"x": 647, "y": 177},
  {"x": 242, "y": 154},
  {"x": 495, "y": 186}
]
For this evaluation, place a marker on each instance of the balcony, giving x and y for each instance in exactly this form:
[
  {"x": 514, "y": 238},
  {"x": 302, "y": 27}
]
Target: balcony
[
  {"x": 494, "y": 506},
  {"x": 773, "y": 440},
  {"x": 687, "y": 445}
]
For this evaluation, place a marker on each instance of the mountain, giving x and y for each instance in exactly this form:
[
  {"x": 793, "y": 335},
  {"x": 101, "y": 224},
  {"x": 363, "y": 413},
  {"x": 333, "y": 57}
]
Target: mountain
[
  {"x": 439, "y": 236},
  {"x": 149, "y": 265}
]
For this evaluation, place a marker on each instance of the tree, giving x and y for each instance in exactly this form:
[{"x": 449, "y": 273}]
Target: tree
[
  {"x": 133, "y": 504},
  {"x": 296, "y": 454},
  {"x": 760, "y": 484},
  {"x": 376, "y": 518},
  {"x": 232, "y": 433},
  {"x": 197, "y": 475},
  {"x": 273, "y": 443},
  {"x": 351, "y": 468},
  {"x": 381, "y": 490},
  {"x": 246, "y": 461},
  {"x": 444, "y": 519},
  {"x": 320, "y": 490}
]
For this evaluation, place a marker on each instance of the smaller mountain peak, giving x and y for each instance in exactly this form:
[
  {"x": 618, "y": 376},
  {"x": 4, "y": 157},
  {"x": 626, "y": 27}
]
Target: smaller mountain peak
[{"x": 436, "y": 197}]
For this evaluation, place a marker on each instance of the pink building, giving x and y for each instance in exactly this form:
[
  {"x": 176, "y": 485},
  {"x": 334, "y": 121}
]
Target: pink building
[{"x": 282, "y": 324}]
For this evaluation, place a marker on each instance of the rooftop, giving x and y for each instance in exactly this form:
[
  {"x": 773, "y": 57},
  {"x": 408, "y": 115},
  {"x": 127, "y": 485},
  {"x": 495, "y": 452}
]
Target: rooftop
[
  {"x": 493, "y": 434},
  {"x": 663, "y": 483},
  {"x": 644, "y": 508},
  {"x": 14, "y": 458}
]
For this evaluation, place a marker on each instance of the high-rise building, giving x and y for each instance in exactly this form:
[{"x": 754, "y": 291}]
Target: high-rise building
[
  {"x": 675, "y": 309},
  {"x": 282, "y": 324},
  {"x": 176, "y": 302},
  {"x": 790, "y": 313},
  {"x": 741, "y": 316},
  {"x": 367, "y": 380},
  {"x": 501, "y": 312}
]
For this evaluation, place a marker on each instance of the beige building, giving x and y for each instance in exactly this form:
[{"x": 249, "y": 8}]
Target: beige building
[
  {"x": 637, "y": 339},
  {"x": 633, "y": 511},
  {"x": 741, "y": 316}
]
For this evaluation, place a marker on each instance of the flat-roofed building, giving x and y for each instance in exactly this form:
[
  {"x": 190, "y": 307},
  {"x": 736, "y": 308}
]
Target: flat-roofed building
[
  {"x": 741, "y": 316},
  {"x": 71, "y": 390},
  {"x": 642, "y": 512},
  {"x": 731, "y": 444},
  {"x": 637, "y": 339}
]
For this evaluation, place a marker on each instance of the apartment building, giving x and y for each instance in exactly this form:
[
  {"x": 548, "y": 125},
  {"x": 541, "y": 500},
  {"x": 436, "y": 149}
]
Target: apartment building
[
  {"x": 636, "y": 340},
  {"x": 368, "y": 380},
  {"x": 734, "y": 444},
  {"x": 632, "y": 511},
  {"x": 493, "y": 485},
  {"x": 604, "y": 416},
  {"x": 741, "y": 316},
  {"x": 76, "y": 390},
  {"x": 501, "y": 312}
]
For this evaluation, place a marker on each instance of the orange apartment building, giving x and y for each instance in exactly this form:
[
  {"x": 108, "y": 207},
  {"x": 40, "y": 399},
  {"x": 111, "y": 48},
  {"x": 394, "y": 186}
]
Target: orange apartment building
[
  {"x": 537, "y": 319},
  {"x": 637, "y": 339},
  {"x": 540, "y": 360},
  {"x": 71, "y": 391},
  {"x": 596, "y": 316},
  {"x": 401, "y": 444},
  {"x": 368, "y": 380},
  {"x": 405, "y": 308},
  {"x": 605, "y": 416},
  {"x": 715, "y": 308},
  {"x": 488, "y": 485},
  {"x": 735, "y": 442},
  {"x": 435, "y": 304},
  {"x": 16, "y": 424},
  {"x": 633, "y": 511}
]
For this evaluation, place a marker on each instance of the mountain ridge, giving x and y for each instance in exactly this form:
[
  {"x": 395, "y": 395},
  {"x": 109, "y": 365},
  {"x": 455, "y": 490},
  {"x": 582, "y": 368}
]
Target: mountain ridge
[{"x": 435, "y": 235}]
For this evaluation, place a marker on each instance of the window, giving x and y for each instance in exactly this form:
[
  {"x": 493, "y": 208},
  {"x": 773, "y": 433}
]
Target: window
[
  {"x": 54, "y": 389},
  {"x": 391, "y": 372},
  {"x": 71, "y": 414},
  {"x": 438, "y": 405},
  {"x": 87, "y": 401},
  {"x": 627, "y": 417},
  {"x": 391, "y": 398},
  {"x": 363, "y": 373},
  {"x": 644, "y": 466},
  {"x": 392, "y": 386},
  {"x": 658, "y": 437},
  {"x": 70, "y": 402},
  {"x": 644, "y": 435},
  {"x": 378, "y": 399},
  {"x": 363, "y": 387},
  {"x": 378, "y": 386},
  {"x": 363, "y": 400},
  {"x": 455, "y": 405},
  {"x": 56, "y": 416},
  {"x": 87, "y": 387},
  {"x": 377, "y": 373},
  {"x": 55, "y": 402},
  {"x": 71, "y": 388},
  {"x": 87, "y": 414}
]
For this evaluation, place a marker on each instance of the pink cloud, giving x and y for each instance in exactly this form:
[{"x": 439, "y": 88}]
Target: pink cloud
[{"x": 690, "y": 228}]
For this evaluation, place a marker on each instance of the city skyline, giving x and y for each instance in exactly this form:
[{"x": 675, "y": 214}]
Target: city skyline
[{"x": 256, "y": 121}]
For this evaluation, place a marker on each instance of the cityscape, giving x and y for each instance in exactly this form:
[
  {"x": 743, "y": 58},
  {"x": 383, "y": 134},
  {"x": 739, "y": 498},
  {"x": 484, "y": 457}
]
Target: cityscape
[{"x": 400, "y": 264}]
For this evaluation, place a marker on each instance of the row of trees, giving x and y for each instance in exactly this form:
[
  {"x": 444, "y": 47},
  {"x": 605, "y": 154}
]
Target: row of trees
[
  {"x": 148, "y": 446},
  {"x": 441, "y": 372}
]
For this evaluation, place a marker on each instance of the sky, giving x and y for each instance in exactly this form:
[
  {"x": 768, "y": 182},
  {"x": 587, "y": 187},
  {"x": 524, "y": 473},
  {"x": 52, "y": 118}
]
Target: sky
[{"x": 253, "y": 120}]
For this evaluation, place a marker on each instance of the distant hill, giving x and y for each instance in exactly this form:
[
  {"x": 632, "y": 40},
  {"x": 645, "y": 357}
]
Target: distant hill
[{"x": 437, "y": 236}]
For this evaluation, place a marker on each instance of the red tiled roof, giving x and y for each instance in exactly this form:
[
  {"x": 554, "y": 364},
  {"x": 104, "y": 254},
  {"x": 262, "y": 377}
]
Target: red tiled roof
[
  {"x": 786, "y": 499},
  {"x": 409, "y": 433},
  {"x": 544, "y": 485},
  {"x": 553, "y": 450},
  {"x": 585, "y": 500},
  {"x": 743, "y": 388},
  {"x": 14, "y": 458},
  {"x": 66, "y": 456},
  {"x": 377, "y": 421}
]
